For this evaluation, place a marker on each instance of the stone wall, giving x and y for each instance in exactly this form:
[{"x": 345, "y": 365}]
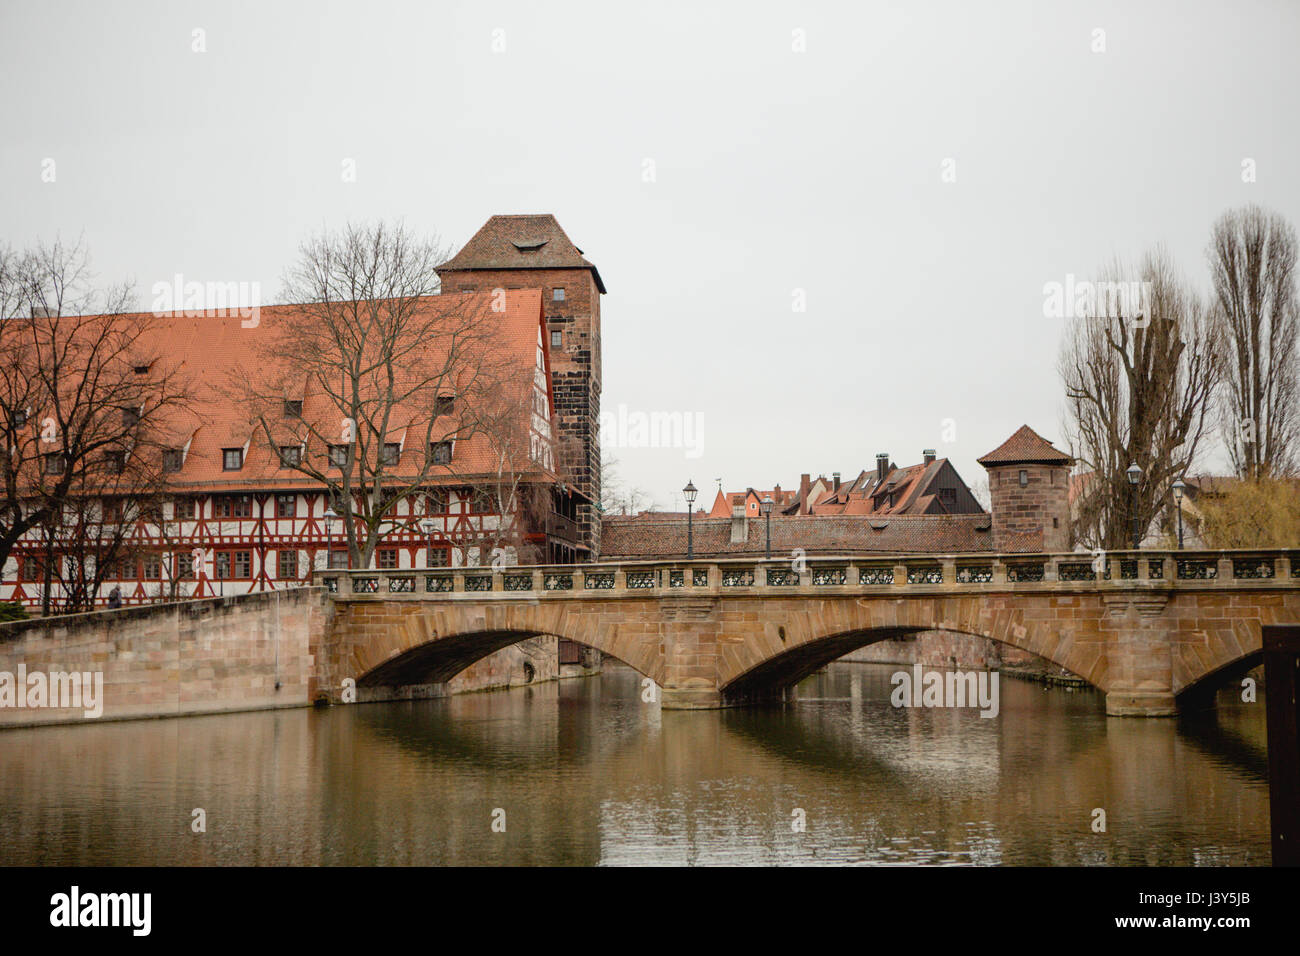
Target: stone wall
[{"x": 246, "y": 652}]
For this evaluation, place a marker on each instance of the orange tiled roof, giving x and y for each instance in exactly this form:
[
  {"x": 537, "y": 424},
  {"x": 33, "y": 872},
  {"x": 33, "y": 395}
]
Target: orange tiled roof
[
  {"x": 1025, "y": 447},
  {"x": 216, "y": 353}
]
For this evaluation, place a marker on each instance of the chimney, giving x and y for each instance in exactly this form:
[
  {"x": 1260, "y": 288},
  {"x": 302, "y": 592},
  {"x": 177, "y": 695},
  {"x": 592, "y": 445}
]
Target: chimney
[
  {"x": 739, "y": 523},
  {"x": 836, "y": 477},
  {"x": 928, "y": 455},
  {"x": 882, "y": 465},
  {"x": 805, "y": 487}
]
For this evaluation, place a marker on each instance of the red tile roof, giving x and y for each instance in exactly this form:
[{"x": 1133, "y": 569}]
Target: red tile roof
[
  {"x": 217, "y": 355},
  {"x": 1023, "y": 448},
  {"x": 520, "y": 242}
]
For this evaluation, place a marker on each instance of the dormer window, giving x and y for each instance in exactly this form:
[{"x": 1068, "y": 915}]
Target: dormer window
[
  {"x": 19, "y": 417},
  {"x": 142, "y": 369},
  {"x": 115, "y": 461},
  {"x": 172, "y": 459},
  {"x": 290, "y": 456},
  {"x": 130, "y": 417},
  {"x": 232, "y": 459},
  {"x": 293, "y": 408},
  {"x": 444, "y": 404},
  {"x": 339, "y": 455},
  {"x": 54, "y": 463},
  {"x": 440, "y": 453},
  {"x": 390, "y": 454}
]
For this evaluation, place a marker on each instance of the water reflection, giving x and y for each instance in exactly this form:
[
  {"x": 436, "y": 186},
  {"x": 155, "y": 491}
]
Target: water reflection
[{"x": 588, "y": 774}]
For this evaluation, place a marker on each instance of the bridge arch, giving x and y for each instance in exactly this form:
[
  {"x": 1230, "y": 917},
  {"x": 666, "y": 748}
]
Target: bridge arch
[
  {"x": 398, "y": 644},
  {"x": 800, "y": 645}
]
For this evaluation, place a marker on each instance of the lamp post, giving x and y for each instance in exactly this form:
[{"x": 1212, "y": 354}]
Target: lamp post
[
  {"x": 1134, "y": 475},
  {"x": 428, "y": 524},
  {"x": 766, "y": 507},
  {"x": 329, "y": 535},
  {"x": 1180, "y": 487},
  {"x": 690, "y": 491}
]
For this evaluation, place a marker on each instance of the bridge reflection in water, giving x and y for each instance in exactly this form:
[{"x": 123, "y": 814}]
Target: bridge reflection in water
[{"x": 588, "y": 773}]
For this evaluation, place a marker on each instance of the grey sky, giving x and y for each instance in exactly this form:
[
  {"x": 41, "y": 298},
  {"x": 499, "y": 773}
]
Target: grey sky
[{"x": 774, "y": 170}]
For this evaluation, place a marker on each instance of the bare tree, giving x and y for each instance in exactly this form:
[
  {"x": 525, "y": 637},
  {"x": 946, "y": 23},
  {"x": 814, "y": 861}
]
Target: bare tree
[
  {"x": 1253, "y": 261},
  {"x": 83, "y": 391},
  {"x": 616, "y": 495},
  {"x": 374, "y": 378},
  {"x": 1139, "y": 383}
]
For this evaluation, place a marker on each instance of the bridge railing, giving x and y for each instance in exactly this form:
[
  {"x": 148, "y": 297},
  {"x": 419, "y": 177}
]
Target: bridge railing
[{"x": 829, "y": 574}]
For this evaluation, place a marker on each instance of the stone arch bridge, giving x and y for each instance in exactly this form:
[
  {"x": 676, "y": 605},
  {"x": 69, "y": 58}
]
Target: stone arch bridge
[{"x": 1146, "y": 628}]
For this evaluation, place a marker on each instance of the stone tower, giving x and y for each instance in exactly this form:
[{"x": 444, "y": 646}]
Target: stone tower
[
  {"x": 533, "y": 252},
  {"x": 1029, "y": 484}
]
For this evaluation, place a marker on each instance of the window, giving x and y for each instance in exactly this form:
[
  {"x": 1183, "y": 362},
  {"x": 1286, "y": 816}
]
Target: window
[
  {"x": 112, "y": 510},
  {"x": 184, "y": 509},
  {"x": 557, "y": 295},
  {"x": 290, "y": 455},
  {"x": 386, "y": 559},
  {"x": 948, "y": 495},
  {"x": 338, "y": 559},
  {"x": 140, "y": 369},
  {"x": 243, "y": 564},
  {"x": 438, "y": 557},
  {"x": 1056, "y": 522},
  {"x": 435, "y": 502},
  {"x": 232, "y": 459},
  {"x": 286, "y": 506},
  {"x": 293, "y": 408},
  {"x": 115, "y": 461},
  {"x": 223, "y": 564},
  {"x": 339, "y": 455},
  {"x": 152, "y": 567},
  {"x": 440, "y": 452},
  {"x": 391, "y": 453},
  {"x": 130, "y": 416},
  {"x": 481, "y": 502},
  {"x": 232, "y": 506},
  {"x": 184, "y": 564},
  {"x": 557, "y": 339},
  {"x": 173, "y": 459},
  {"x": 287, "y": 565},
  {"x": 1024, "y": 478},
  {"x": 444, "y": 404},
  {"x": 54, "y": 463},
  {"x": 19, "y": 417}
]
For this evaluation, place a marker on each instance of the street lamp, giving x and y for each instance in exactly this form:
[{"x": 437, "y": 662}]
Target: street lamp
[
  {"x": 1134, "y": 475},
  {"x": 767, "y": 515},
  {"x": 690, "y": 491},
  {"x": 1180, "y": 488},
  {"x": 330, "y": 515},
  {"x": 428, "y": 524}
]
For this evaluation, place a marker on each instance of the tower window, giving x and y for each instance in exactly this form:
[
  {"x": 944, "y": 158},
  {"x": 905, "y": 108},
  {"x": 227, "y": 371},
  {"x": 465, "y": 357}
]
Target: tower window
[
  {"x": 557, "y": 295},
  {"x": 557, "y": 339},
  {"x": 1024, "y": 478}
]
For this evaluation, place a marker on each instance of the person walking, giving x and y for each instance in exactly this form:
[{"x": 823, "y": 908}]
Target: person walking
[{"x": 115, "y": 597}]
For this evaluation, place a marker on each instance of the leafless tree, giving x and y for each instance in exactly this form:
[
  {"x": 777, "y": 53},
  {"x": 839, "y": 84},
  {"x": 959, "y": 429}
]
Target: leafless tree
[
  {"x": 1139, "y": 389},
  {"x": 83, "y": 392},
  {"x": 616, "y": 495},
  {"x": 389, "y": 370},
  {"x": 1253, "y": 263}
]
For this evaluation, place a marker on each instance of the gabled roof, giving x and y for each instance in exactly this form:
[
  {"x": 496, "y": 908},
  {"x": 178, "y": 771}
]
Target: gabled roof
[
  {"x": 1025, "y": 447},
  {"x": 520, "y": 242}
]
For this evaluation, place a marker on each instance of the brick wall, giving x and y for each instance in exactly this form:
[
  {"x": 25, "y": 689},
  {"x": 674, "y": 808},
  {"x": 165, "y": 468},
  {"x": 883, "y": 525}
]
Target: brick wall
[{"x": 1042, "y": 504}]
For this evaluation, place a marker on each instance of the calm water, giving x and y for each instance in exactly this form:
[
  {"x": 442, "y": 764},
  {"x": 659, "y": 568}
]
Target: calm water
[{"x": 588, "y": 774}]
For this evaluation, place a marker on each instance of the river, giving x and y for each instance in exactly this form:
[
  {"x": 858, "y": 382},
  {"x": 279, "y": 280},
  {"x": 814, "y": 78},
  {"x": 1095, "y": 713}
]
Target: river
[{"x": 584, "y": 772}]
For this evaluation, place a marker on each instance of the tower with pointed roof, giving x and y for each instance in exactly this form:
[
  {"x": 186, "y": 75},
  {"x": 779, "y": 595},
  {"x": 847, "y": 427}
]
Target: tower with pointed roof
[
  {"x": 1029, "y": 483},
  {"x": 533, "y": 252}
]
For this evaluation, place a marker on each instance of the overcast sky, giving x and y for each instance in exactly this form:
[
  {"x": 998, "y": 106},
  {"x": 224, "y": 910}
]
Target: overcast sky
[{"x": 709, "y": 159}]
